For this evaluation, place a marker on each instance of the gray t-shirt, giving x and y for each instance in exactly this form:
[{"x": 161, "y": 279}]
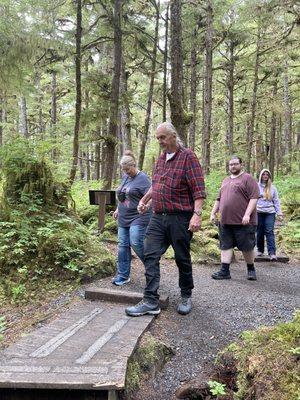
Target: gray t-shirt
[{"x": 134, "y": 189}]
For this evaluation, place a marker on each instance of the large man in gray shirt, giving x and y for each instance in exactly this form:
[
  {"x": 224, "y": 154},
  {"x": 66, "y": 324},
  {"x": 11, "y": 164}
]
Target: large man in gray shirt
[{"x": 236, "y": 204}]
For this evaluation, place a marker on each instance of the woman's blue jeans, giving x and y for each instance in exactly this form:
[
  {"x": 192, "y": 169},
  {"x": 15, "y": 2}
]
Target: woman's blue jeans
[
  {"x": 131, "y": 237},
  {"x": 265, "y": 228}
]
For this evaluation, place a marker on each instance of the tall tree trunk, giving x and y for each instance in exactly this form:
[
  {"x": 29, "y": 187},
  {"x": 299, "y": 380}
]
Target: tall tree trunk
[
  {"x": 23, "y": 122},
  {"x": 251, "y": 121},
  {"x": 165, "y": 84},
  {"x": 229, "y": 98},
  {"x": 279, "y": 146},
  {"x": 258, "y": 166},
  {"x": 97, "y": 160},
  {"x": 145, "y": 132},
  {"x": 81, "y": 164},
  {"x": 273, "y": 130},
  {"x": 287, "y": 121},
  {"x": 176, "y": 97},
  {"x": 125, "y": 127},
  {"x": 4, "y": 116},
  {"x": 78, "y": 91},
  {"x": 54, "y": 112},
  {"x": 193, "y": 91},
  {"x": 2, "y": 119},
  {"x": 114, "y": 104},
  {"x": 88, "y": 163},
  {"x": 206, "y": 128},
  {"x": 39, "y": 104}
]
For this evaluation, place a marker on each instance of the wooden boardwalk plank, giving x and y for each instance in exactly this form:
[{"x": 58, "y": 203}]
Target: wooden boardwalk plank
[{"x": 86, "y": 348}]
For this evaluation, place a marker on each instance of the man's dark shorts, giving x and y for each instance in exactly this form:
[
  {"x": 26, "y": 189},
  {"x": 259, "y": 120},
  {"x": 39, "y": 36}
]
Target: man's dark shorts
[{"x": 240, "y": 236}]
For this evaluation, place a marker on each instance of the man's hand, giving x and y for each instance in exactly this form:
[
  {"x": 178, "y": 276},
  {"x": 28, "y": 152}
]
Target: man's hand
[
  {"x": 115, "y": 214},
  {"x": 142, "y": 207},
  {"x": 246, "y": 219},
  {"x": 195, "y": 223}
]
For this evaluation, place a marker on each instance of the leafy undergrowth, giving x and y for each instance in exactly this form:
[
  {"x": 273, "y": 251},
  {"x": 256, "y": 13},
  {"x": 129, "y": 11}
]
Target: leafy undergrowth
[
  {"x": 268, "y": 363},
  {"x": 288, "y": 236},
  {"x": 42, "y": 239}
]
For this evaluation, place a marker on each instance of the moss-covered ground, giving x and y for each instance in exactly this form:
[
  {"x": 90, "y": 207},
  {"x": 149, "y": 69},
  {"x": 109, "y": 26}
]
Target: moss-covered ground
[
  {"x": 268, "y": 363},
  {"x": 148, "y": 359}
]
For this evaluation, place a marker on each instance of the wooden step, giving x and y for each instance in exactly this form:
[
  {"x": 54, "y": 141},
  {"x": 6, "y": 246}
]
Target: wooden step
[{"x": 120, "y": 296}]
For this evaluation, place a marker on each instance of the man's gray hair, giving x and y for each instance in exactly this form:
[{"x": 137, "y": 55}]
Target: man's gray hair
[{"x": 170, "y": 128}]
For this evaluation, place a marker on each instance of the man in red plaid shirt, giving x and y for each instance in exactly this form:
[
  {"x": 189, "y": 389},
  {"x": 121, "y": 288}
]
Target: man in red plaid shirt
[{"x": 177, "y": 194}]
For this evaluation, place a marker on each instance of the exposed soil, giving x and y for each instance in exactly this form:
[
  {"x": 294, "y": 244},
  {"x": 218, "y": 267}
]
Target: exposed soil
[{"x": 221, "y": 311}]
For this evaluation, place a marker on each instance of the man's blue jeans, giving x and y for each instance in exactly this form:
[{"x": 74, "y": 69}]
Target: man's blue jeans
[
  {"x": 131, "y": 237},
  {"x": 265, "y": 228}
]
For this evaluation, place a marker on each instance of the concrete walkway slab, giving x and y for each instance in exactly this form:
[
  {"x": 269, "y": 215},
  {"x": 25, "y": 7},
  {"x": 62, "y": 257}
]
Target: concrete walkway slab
[{"x": 85, "y": 348}]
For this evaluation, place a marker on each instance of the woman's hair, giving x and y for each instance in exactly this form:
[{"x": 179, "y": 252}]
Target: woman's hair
[
  {"x": 267, "y": 190},
  {"x": 128, "y": 159}
]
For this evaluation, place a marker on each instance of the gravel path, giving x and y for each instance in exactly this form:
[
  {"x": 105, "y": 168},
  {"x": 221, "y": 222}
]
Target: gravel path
[{"x": 221, "y": 311}]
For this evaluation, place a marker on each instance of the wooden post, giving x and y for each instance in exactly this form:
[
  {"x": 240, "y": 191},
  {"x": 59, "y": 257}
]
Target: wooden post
[
  {"x": 101, "y": 198},
  {"x": 113, "y": 395}
]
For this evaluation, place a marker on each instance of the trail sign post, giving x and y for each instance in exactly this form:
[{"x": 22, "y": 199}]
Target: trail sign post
[{"x": 102, "y": 198}]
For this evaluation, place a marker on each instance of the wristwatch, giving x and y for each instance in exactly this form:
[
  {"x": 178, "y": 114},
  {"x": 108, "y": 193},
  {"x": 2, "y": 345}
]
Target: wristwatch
[{"x": 198, "y": 212}]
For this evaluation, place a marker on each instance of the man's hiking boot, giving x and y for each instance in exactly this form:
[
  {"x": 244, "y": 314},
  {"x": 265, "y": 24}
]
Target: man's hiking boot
[
  {"x": 251, "y": 275},
  {"x": 142, "y": 308},
  {"x": 185, "y": 306},
  {"x": 221, "y": 275}
]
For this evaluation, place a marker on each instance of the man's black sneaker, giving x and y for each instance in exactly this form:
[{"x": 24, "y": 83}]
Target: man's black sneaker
[
  {"x": 251, "y": 275},
  {"x": 221, "y": 275}
]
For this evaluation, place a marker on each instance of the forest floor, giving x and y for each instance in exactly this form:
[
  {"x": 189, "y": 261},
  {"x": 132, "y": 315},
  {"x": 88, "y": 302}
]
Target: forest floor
[{"x": 221, "y": 311}]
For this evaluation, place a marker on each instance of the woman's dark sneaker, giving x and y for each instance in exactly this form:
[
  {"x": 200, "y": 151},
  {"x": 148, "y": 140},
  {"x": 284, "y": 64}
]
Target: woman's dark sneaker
[{"x": 119, "y": 281}]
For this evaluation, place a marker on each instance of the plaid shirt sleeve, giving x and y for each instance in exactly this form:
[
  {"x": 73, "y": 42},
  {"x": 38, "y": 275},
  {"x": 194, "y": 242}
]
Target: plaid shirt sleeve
[{"x": 195, "y": 177}]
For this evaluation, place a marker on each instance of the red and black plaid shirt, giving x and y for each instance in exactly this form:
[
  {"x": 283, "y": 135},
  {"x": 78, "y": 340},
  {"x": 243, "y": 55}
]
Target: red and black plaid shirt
[{"x": 177, "y": 183}]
